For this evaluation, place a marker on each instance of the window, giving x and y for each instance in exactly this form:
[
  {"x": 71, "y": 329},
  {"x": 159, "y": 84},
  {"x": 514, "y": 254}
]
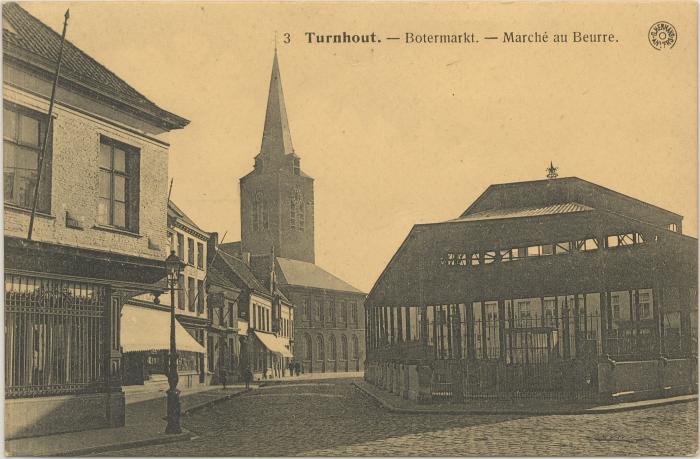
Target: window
[
  {"x": 180, "y": 246},
  {"x": 23, "y": 133},
  {"x": 320, "y": 354},
  {"x": 533, "y": 251},
  {"x": 200, "y": 255},
  {"x": 190, "y": 251},
  {"x": 451, "y": 259},
  {"x": 118, "y": 185},
  {"x": 296, "y": 169},
  {"x": 319, "y": 309},
  {"x": 331, "y": 311},
  {"x": 562, "y": 247},
  {"x": 547, "y": 249},
  {"x": 307, "y": 310},
  {"x": 200, "y": 296},
  {"x": 615, "y": 306},
  {"x": 489, "y": 257},
  {"x": 343, "y": 347},
  {"x": 331, "y": 348},
  {"x": 506, "y": 255},
  {"x": 475, "y": 259},
  {"x": 181, "y": 292},
  {"x": 190, "y": 293},
  {"x": 644, "y": 305},
  {"x": 261, "y": 219},
  {"x": 343, "y": 312},
  {"x": 353, "y": 312},
  {"x": 355, "y": 347},
  {"x": 231, "y": 313},
  {"x": 519, "y": 253},
  {"x": 296, "y": 214},
  {"x": 462, "y": 259},
  {"x": 586, "y": 245},
  {"x": 673, "y": 227},
  {"x": 307, "y": 347}
]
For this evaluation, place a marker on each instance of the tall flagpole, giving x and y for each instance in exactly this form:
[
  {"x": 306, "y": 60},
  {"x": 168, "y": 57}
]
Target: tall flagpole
[{"x": 40, "y": 165}]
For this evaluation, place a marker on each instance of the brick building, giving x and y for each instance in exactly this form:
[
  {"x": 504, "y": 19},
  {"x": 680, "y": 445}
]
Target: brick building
[
  {"x": 277, "y": 220},
  {"x": 99, "y": 237},
  {"x": 552, "y": 288}
]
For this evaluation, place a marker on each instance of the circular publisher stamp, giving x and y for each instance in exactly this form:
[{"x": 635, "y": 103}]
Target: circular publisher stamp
[{"x": 662, "y": 35}]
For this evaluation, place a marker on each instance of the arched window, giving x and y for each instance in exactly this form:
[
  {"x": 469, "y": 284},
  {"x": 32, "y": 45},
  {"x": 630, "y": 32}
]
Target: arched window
[
  {"x": 308, "y": 347},
  {"x": 320, "y": 354},
  {"x": 343, "y": 347},
  {"x": 260, "y": 217},
  {"x": 296, "y": 213},
  {"x": 355, "y": 347},
  {"x": 307, "y": 312},
  {"x": 331, "y": 347}
]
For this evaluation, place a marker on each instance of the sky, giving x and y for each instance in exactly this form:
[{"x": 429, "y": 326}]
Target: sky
[{"x": 398, "y": 134}]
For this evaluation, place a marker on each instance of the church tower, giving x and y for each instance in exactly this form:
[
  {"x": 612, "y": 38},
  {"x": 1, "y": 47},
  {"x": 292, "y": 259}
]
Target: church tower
[{"x": 277, "y": 198}]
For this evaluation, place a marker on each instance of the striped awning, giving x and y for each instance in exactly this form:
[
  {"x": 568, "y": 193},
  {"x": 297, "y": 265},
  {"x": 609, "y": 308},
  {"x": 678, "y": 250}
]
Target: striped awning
[{"x": 145, "y": 329}]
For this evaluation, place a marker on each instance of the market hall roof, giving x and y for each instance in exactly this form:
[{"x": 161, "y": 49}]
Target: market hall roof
[
  {"x": 493, "y": 214},
  {"x": 29, "y": 40},
  {"x": 507, "y": 218}
]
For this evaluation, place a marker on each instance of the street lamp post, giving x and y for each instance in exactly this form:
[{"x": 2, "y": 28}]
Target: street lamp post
[{"x": 174, "y": 266}]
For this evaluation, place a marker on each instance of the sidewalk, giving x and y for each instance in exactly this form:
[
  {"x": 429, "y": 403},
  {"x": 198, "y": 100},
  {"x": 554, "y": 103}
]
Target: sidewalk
[
  {"x": 145, "y": 425},
  {"x": 397, "y": 404}
]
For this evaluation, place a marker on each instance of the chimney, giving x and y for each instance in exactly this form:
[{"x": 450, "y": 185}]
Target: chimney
[{"x": 212, "y": 246}]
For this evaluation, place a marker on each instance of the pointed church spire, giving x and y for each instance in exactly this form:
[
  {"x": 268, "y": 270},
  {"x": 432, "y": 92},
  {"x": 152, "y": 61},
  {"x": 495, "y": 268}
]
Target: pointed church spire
[{"x": 276, "y": 138}]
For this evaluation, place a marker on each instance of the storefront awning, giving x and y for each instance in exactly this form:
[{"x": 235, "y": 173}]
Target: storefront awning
[
  {"x": 273, "y": 343},
  {"x": 144, "y": 329}
]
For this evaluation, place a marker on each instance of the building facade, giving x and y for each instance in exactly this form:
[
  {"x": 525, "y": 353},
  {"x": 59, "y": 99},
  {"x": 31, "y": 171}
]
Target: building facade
[
  {"x": 265, "y": 320},
  {"x": 277, "y": 235},
  {"x": 98, "y": 238},
  {"x": 555, "y": 289}
]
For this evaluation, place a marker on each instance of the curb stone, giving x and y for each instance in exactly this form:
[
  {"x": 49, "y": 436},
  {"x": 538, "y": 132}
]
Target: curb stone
[
  {"x": 574, "y": 411},
  {"x": 185, "y": 435},
  {"x": 209, "y": 403}
]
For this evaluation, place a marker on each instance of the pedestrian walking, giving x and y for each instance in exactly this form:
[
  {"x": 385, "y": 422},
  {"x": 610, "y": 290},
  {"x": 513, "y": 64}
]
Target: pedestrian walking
[
  {"x": 223, "y": 374},
  {"x": 247, "y": 377}
]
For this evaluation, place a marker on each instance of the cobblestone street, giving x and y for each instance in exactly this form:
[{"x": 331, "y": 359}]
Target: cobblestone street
[{"x": 328, "y": 418}]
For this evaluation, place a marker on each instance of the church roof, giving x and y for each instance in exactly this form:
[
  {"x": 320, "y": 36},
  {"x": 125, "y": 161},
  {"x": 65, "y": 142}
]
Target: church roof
[
  {"x": 277, "y": 138},
  {"x": 30, "y": 40},
  {"x": 303, "y": 274}
]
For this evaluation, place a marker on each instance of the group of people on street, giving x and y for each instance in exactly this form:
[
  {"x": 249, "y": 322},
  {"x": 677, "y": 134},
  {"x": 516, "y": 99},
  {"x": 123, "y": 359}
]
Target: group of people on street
[{"x": 294, "y": 368}]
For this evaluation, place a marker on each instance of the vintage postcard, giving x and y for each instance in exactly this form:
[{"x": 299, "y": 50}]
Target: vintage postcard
[{"x": 350, "y": 228}]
